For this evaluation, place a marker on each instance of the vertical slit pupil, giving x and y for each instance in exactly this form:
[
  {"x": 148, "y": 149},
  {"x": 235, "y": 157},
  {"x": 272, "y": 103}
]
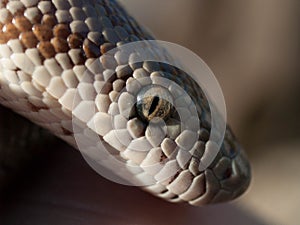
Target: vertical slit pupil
[{"x": 153, "y": 105}]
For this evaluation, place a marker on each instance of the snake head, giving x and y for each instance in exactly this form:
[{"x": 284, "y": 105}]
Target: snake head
[{"x": 157, "y": 120}]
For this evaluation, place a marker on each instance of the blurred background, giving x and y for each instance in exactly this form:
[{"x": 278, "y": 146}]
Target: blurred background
[{"x": 253, "y": 49}]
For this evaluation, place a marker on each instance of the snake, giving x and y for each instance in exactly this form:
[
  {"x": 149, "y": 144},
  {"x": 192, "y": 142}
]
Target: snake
[{"x": 55, "y": 66}]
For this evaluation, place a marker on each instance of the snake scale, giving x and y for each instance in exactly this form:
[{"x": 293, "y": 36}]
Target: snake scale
[{"x": 46, "y": 47}]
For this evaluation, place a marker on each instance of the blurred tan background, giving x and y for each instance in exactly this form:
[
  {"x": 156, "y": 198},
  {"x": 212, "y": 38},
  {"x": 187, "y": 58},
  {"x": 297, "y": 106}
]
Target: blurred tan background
[{"x": 253, "y": 48}]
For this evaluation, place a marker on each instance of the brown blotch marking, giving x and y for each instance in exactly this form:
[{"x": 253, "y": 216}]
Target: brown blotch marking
[
  {"x": 106, "y": 47},
  {"x": 11, "y": 31},
  {"x": 81, "y": 58},
  {"x": 49, "y": 20},
  {"x": 3, "y": 38},
  {"x": 61, "y": 31},
  {"x": 46, "y": 49},
  {"x": 90, "y": 49},
  {"x": 29, "y": 39},
  {"x": 20, "y": 11},
  {"x": 4, "y": 2},
  {"x": 37, "y": 18},
  {"x": 75, "y": 41},
  {"x": 42, "y": 32},
  {"x": 59, "y": 44},
  {"x": 22, "y": 23}
]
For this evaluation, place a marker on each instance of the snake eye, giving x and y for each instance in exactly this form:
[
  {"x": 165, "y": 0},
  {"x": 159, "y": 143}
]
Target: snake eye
[{"x": 154, "y": 101}]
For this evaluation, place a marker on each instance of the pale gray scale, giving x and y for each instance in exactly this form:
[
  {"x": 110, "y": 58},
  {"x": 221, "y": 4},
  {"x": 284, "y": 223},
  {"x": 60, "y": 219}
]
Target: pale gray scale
[
  {"x": 114, "y": 109},
  {"x": 77, "y": 14},
  {"x": 118, "y": 85},
  {"x": 111, "y": 35},
  {"x": 120, "y": 122},
  {"x": 79, "y": 27},
  {"x": 186, "y": 140},
  {"x": 90, "y": 11},
  {"x": 113, "y": 95},
  {"x": 101, "y": 10},
  {"x": 4, "y": 13},
  {"x": 216, "y": 160},
  {"x": 63, "y": 16},
  {"x": 93, "y": 24},
  {"x": 155, "y": 134},
  {"x": 136, "y": 128},
  {"x": 122, "y": 57},
  {"x": 173, "y": 127},
  {"x": 96, "y": 38},
  {"x": 62, "y": 5},
  {"x": 134, "y": 61},
  {"x": 169, "y": 147},
  {"x": 181, "y": 183},
  {"x": 151, "y": 66},
  {"x": 31, "y": 3},
  {"x": 105, "y": 22},
  {"x": 133, "y": 86},
  {"x": 124, "y": 72},
  {"x": 122, "y": 33},
  {"x": 15, "y": 6},
  {"x": 45, "y": 7},
  {"x": 120, "y": 43},
  {"x": 108, "y": 74},
  {"x": 96, "y": 68},
  {"x": 76, "y": 3}
]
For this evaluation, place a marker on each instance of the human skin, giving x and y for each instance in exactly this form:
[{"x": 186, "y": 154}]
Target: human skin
[{"x": 62, "y": 189}]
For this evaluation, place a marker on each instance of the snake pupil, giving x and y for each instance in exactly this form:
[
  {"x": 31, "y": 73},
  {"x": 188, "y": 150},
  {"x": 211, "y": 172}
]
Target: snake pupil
[
  {"x": 154, "y": 105},
  {"x": 154, "y": 101}
]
